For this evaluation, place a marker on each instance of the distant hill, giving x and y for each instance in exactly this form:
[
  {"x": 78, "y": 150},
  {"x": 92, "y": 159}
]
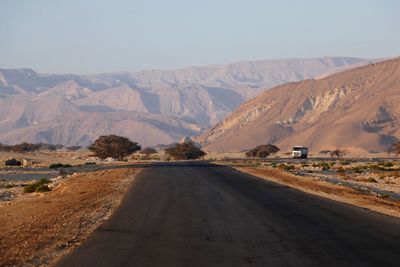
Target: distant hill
[
  {"x": 151, "y": 107},
  {"x": 357, "y": 110}
]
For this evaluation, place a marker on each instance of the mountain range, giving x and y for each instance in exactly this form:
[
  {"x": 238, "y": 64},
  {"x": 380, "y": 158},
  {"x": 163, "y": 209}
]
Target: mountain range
[
  {"x": 355, "y": 110},
  {"x": 151, "y": 107}
]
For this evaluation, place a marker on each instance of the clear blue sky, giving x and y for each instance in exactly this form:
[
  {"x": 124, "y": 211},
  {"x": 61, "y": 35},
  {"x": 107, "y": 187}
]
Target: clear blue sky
[{"x": 90, "y": 36}]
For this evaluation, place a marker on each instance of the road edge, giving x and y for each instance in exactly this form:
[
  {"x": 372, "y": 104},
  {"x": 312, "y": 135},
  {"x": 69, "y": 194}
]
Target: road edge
[{"x": 362, "y": 201}]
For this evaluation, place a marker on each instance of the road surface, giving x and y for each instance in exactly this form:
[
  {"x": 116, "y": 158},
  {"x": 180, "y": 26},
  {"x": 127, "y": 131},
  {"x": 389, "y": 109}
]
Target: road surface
[{"x": 199, "y": 214}]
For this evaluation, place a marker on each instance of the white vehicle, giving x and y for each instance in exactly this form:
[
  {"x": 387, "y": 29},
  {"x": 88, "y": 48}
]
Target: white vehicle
[{"x": 300, "y": 152}]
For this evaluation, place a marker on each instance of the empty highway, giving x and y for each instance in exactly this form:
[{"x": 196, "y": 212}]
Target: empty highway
[{"x": 200, "y": 214}]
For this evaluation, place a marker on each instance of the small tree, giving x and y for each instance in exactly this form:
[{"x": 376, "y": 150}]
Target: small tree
[
  {"x": 73, "y": 148},
  {"x": 337, "y": 153},
  {"x": 4, "y": 147},
  {"x": 184, "y": 151},
  {"x": 113, "y": 146},
  {"x": 25, "y": 147},
  {"x": 262, "y": 151},
  {"x": 395, "y": 149}
]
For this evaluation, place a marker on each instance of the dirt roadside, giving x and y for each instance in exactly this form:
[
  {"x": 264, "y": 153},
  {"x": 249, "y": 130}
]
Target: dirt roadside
[
  {"x": 324, "y": 189},
  {"x": 35, "y": 230}
]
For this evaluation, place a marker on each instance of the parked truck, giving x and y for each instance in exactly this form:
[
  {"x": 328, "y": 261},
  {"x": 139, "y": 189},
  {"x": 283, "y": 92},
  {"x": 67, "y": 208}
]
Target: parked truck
[{"x": 300, "y": 152}]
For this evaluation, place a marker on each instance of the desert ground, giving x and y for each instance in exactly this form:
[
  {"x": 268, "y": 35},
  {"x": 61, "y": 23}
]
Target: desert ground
[{"x": 38, "y": 227}]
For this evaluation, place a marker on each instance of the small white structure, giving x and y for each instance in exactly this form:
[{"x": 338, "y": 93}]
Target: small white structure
[
  {"x": 300, "y": 152},
  {"x": 88, "y": 159}
]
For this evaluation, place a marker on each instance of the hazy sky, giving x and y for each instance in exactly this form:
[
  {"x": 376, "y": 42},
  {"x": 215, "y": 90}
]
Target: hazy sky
[{"x": 90, "y": 36}]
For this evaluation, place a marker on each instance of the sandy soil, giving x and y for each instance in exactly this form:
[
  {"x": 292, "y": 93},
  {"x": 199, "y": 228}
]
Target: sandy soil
[
  {"x": 325, "y": 189},
  {"x": 39, "y": 227}
]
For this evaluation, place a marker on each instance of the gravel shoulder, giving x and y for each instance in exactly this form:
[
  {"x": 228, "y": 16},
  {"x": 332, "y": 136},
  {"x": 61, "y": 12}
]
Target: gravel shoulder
[
  {"x": 38, "y": 228},
  {"x": 312, "y": 185}
]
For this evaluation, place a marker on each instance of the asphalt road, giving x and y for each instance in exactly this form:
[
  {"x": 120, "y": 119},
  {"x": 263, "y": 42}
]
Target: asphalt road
[{"x": 198, "y": 214}]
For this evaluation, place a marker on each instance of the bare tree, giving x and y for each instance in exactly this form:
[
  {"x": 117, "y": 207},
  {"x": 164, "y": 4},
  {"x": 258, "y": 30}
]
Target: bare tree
[{"x": 395, "y": 149}]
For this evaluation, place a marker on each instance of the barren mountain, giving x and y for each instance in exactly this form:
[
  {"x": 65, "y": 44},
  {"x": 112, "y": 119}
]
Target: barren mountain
[
  {"x": 155, "y": 106},
  {"x": 357, "y": 110},
  {"x": 84, "y": 127},
  {"x": 118, "y": 98},
  {"x": 69, "y": 90}
]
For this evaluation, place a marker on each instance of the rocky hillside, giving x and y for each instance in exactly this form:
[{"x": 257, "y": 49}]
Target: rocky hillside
[
  {"x": 150, "y": 107},
  {"x": 357, "y": 110}
]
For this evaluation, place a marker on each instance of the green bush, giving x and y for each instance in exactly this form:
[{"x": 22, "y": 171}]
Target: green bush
[
  {"x": 43, "y": 188},
  {"x": 36, "y": 186},
  {"x": 55, "y": 166},
  {"x": 59, "y": 165},
  {"x": 388, "y": 164},
  {"x": 375, "y": 167},
  {"x": 90, "y": 163},
  {"x": 30, "y": 188},
  {"x": 290, "y": 167},
  {"x": 324, "y": 165},
  {"x": 371, "y": 180},
  {"x": 285, "y": 167},
  {"x": 357, "y": 169},
  {"x": 385, "y": 164},
  {"x": 281, "y": 166},
  {"x": 9, "y": 186},
  {"x": 345, "y": 163}
]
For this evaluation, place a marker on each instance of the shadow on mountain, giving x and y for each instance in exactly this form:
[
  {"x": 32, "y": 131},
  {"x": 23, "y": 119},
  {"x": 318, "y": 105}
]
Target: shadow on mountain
[{"x": 96, "y": 108}]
